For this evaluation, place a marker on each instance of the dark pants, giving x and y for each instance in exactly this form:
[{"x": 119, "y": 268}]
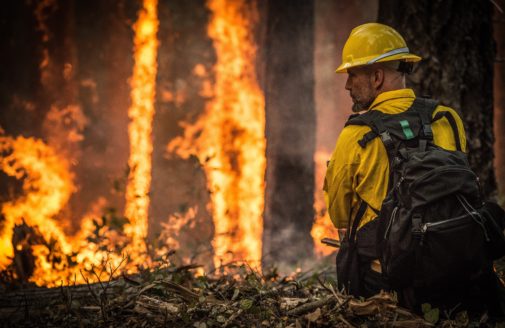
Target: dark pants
[{"x": 372, "y": 282}]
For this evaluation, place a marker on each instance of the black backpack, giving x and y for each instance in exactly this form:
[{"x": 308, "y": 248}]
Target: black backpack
[{"x": 433, "y": 226}]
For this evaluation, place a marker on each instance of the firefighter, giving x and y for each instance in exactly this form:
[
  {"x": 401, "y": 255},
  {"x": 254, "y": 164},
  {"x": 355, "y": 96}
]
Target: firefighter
[{"x": 376, "y": 60}]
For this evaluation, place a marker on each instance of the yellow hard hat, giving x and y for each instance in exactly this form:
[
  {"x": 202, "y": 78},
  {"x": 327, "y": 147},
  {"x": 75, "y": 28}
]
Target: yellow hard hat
[{"x": 371, "y": 43}]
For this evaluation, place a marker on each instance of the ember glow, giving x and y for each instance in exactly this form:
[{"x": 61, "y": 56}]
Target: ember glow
[
  {"x": 229, "y": 137},
  {"x": 141, "y": 112}
]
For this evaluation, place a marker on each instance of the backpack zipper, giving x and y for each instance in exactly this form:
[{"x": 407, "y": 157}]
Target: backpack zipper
[
  {"x": 428, "y": 225},
  {"x": 390, "y": 223},
  {"x": 399, "y": 183},
  {"x": 395, "y": 209}
]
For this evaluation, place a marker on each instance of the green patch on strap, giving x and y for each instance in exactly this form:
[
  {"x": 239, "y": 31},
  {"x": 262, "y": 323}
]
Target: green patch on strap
[{"x": 406, "y": 129}]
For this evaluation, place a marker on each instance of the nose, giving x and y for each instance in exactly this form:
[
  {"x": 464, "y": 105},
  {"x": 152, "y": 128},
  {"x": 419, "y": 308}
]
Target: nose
[{"x": 348, "y": 84}]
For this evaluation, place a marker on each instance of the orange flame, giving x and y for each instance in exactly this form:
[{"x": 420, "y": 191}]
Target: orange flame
[
  {"x": 47, "y": 186},
  {"x": 229, "y": 137},
  {"x": 323, "y": 227},
  {"x": 141, "y": 114},
  {"x": 170, "y": 229}
]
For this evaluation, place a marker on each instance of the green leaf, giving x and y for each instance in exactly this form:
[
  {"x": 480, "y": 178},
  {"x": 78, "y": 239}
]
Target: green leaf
[
  {"x": 426, "y": 307},
  {"x": 246, "y": 304},
  {"x": 432, "y": 316}
]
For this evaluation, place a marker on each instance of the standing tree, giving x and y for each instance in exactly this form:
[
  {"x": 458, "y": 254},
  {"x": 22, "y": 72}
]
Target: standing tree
[
  {"x": 290, "y": 132},
  {"x": 455, "y": 38},
  {"x": 499, "y": 100},
  {"x": 103, "y": 41}
]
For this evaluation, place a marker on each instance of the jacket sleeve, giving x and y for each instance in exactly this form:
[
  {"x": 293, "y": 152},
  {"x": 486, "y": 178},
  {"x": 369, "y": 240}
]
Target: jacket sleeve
[
  {"x": 355, "y": 174},
  {"x": 338, "y": 183}
]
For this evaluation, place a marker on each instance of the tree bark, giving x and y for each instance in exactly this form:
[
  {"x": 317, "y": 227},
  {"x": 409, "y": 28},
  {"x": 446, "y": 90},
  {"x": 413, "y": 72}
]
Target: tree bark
[
  {"x": 499, "y": 101},
  {"x": 21, "y": 42},
  {"x": 455, "y": 39},
  {"x": 290, "y": 132}
]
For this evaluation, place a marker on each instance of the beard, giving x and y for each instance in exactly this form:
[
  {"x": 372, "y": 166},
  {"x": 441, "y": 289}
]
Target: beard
[
  {"x": 361, "y": 105},
  {"x": 362, "y": 98},
  {"x": 358, "y": 107}
]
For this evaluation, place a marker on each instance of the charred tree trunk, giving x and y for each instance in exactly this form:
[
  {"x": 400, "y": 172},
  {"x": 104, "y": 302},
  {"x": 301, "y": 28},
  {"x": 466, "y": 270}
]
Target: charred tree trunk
[
  {"x": 290, "y": 132},
  {"x": 20, "y": 42},
  {"x": 455, "y": 38},
  {"x": 180, "y": 184},
  {"x": 499, "y": 102}
]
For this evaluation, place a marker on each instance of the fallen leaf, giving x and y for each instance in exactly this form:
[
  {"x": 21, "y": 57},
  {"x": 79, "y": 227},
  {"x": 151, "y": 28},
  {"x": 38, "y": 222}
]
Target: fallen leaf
[{"x": 312, "y": 317}]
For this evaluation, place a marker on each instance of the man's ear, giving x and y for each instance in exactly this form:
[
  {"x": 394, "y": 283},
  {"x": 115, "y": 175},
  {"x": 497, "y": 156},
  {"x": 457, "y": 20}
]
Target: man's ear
[{"x": 377, "y": 78}]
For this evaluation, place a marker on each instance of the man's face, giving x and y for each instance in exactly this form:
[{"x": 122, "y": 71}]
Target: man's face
[{"x": 359, "y": 84}]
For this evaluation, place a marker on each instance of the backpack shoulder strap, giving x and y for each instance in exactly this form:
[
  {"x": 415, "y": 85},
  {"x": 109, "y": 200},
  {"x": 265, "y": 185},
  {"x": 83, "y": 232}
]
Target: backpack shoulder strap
[
  {"x": 353, "y": 229},
  {"x": 425, "y": 108},
  {"x": 372, "y": 119},
  {"x": 454, "y": 126}
]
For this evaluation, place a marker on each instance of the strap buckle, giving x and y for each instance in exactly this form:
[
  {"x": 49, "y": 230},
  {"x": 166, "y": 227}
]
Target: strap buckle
[
  {"x": 417, "y": 220},
  {"x": 387, "y": 140},
  {"x": 427, "y": 131}
]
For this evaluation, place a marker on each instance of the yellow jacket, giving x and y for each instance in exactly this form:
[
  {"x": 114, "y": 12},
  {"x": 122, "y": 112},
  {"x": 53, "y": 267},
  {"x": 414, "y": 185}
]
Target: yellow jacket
[{"x": 356, "y": 173}]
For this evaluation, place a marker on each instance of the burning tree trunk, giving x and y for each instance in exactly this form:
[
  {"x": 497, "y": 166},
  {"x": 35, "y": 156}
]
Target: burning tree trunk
[
  {"x": 455, "y": 39},
  {"x": 104, "y": 45},
  {"x": 499, "y": 101},
  {"x": 21, "y": 98},
  {"x": 290, "y": 132}
]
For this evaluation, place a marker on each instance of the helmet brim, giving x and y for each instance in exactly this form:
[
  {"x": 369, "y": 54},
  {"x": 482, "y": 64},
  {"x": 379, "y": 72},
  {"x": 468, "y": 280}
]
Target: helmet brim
[{"x": 404, "y": 57}]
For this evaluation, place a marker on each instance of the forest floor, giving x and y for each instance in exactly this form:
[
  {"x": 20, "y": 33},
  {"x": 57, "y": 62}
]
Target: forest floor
[{"x": 237, "y": 296}]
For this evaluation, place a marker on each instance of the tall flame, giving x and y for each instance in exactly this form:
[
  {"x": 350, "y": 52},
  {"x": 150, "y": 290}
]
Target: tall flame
[
  {"x": 229, "y": 136},
  {"x": 141, "y": 114}
]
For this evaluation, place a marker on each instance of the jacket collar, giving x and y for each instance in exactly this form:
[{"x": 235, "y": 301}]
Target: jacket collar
[{"x": 390, "y": 95}]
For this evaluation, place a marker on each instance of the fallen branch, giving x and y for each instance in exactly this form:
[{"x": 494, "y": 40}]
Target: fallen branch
[{"x": 309, "y": 307}]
